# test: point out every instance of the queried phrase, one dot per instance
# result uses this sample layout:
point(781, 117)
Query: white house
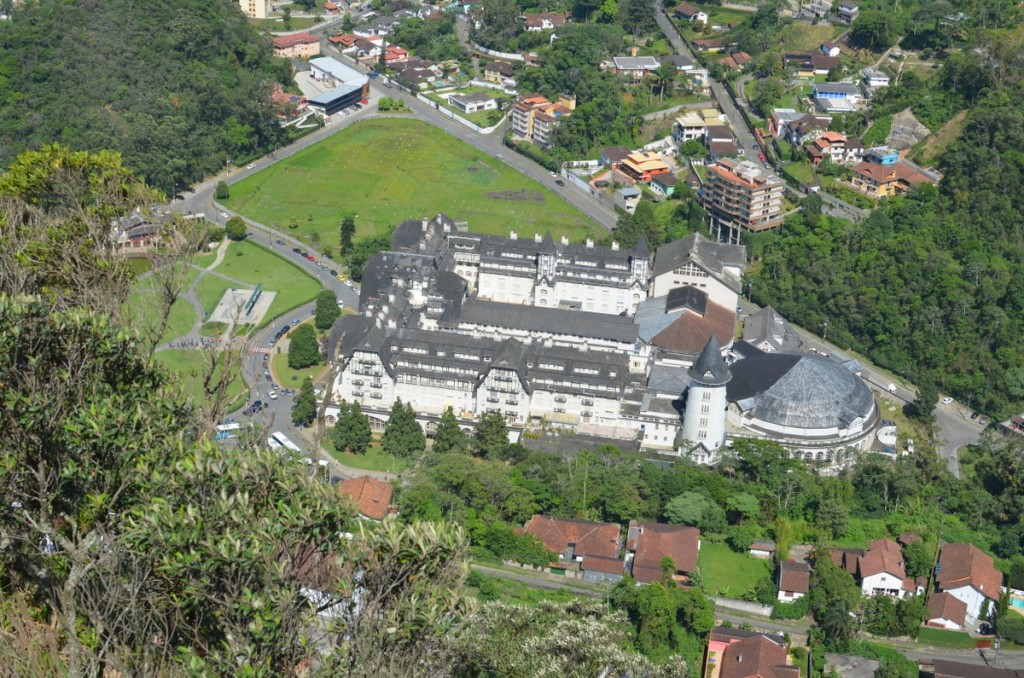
point(473, 103)
point(875, 78)
point(970, 576)
point(881, 572)
point(712, 267)
point(762, 548)
point(794, 581)
point(628, 198)
point(946, 612)
point(830, 49)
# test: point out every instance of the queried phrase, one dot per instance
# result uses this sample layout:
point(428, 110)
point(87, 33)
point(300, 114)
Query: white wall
point(876, 583)
point(972, 597)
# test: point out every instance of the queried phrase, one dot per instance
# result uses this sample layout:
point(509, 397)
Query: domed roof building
point(812, 405)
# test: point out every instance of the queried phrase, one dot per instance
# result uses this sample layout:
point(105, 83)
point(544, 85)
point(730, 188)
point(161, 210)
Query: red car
point(311, 258)
point(762, 158)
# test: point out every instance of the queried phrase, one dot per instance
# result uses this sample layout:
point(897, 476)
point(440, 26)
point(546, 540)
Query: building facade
point(256, 9)
point(739, 196)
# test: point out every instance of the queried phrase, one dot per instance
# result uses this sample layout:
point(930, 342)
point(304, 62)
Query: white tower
point(704, 418)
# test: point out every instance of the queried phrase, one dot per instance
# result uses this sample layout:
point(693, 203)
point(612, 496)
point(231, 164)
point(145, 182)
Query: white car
point(273, 395)
point(250, 166)
point(551, 173)
point(348, 283)
point(224, 215)
point(947, 400)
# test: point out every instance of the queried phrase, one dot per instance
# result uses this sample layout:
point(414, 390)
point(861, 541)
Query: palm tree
point(665, 77)
point(837, 624)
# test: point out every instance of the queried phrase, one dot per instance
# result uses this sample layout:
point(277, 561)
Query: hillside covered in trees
point(178, 87)
point(931, 285)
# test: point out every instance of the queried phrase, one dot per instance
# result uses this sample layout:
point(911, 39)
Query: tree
point(222, 192)
point(449, 436)
point(873, 29)
point(491, 434)
point(694, 508)
point(303, 350)
point(765, 93)
point(345, 235)
point(352, 431)
point(641, 224)
point(917, 559)
point(403, 435)
point(305, 404)
point(236, 229)
point(327, 310)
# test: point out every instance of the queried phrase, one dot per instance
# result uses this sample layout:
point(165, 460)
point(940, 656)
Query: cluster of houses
point(967, 584)
point(635, 69)
point(596, 551)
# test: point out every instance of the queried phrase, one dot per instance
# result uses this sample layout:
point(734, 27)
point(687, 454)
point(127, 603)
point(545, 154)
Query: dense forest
point(179, 88)
point(931, 285)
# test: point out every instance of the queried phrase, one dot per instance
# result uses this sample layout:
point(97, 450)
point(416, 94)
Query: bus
point(278, 440)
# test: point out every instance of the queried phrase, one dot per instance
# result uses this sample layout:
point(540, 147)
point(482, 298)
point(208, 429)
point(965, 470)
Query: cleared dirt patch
point(523, 195)
point(935, 145)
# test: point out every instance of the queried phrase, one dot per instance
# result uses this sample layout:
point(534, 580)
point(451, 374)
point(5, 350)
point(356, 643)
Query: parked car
point(310, 257)
point(760, 156)
point(983, 421)
point(559, 182)
point(279, 242)
point(334, 274)
point(975, 415)
point(273, 395)
point(268, 377)
point(296, 250)
point(250, 166)
point(947, 400)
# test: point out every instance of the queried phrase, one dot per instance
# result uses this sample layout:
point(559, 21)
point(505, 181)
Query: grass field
point(803, 37)
point(145, 307)
point(728, 573)
point(373, 460)
point(944, 638)
point(252, 264)
point(387, 171)
point(188, 366)
point(289, 378)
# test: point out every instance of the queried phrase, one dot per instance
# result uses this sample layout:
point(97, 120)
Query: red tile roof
point(653, 541)
point(371, 496)
point(282, 41)
point(589, 538)
point(759, 657)
point(686, 9)
point(794, 576)
point(599, 564)
point(965, 565)
point(948, 607)
point(691, 330)
point(884, 555)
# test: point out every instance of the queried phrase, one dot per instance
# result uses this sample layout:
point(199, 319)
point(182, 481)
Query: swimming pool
point(1017, 603)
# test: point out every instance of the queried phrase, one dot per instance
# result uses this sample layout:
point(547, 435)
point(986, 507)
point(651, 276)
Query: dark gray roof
point(686, 296)
point(713, 256)
point(671, 379)
point(799, 391)
point(548, 320)
point(710, 369)
point(769, 331)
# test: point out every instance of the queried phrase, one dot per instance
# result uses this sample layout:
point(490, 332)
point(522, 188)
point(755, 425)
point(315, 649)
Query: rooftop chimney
point(536, 237)
point(565, 240)
point(632, 51)
point(512, 235)
point(590, 242)
point(425, 223)
point(615, 245)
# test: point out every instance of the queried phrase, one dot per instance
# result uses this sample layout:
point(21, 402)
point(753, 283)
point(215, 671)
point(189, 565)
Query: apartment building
point(256, 9)
point(297, 46)
point(740, 195)
point(534, 118)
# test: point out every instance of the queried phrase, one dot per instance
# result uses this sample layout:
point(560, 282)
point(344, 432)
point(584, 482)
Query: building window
point(704, 422)
point(706, 396)
point(705, 409)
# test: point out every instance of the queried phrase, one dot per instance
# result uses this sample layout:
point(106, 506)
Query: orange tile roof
point(965, 565)
point(590, 538)
point(759, 657)
point(653, 541)
point(691, 331)
point(598, 564)
point(282, 41)
point(794, 576)
point(371, 496)
point(884, 555)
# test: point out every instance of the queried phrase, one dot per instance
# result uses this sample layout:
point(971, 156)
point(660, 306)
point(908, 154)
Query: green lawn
point(728, 573)
point(481, 119)
point(387, 171)
point(944, 638)
point(188, 367)
point(210, 289)
point(253, 264)
point(145, 309)
point(803, 171)
point(373, 460)
point(289, 378)
point(139, 265)
point(204, 260)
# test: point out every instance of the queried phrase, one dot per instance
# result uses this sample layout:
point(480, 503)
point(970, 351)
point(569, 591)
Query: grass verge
point(944, 638)
point(290, 378)
point(728, 573)
point(373, 460)
point(189, 366)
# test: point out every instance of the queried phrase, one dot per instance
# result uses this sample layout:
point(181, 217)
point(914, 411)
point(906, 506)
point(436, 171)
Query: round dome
point(799, 391)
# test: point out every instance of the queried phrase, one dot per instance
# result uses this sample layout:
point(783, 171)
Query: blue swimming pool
point(1017, 603)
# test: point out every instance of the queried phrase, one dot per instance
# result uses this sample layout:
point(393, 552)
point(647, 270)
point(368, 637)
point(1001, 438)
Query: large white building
point(563, 335)
point(256, 9)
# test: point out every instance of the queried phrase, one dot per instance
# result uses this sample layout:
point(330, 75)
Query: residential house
point(806, 128)
point(794, 580)
point(664, 184)
point(634, 68)
point(880, 571)
point(762, 548)
point(370, 496)
point(296, 46)
point(818, 8)
point(256, 9)
point(830, 49)
point(473, 103)
point(345, 42)
point(875, 78)
point(498, 71)
point(385, 25)
point(545, 21)
point(947, 612)
point(395, 56)
point(681, 62)
point(808, 64)
point(944, 668)
point(848, 11)
point(781, 117)
point(641, 166)
point(1014, 426)
point(709, 45)
point(735, 653)
point(534, 118)
point(369, 48)
point(332, 8)
point(721, 142)
point(648, 544)
point(836, 97)
point(969, 575)
point(883, 173)
point(628, 198)
point(416, 77)
point(583, 545)
point(836, 147)
point(735, 61)
point(613, 156)
point(688, 126)
point(687, 12)
point(289, 106)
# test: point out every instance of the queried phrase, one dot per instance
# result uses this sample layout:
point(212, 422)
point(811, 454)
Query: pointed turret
point(547, 245)
point(641, 249)
point(710, 369)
